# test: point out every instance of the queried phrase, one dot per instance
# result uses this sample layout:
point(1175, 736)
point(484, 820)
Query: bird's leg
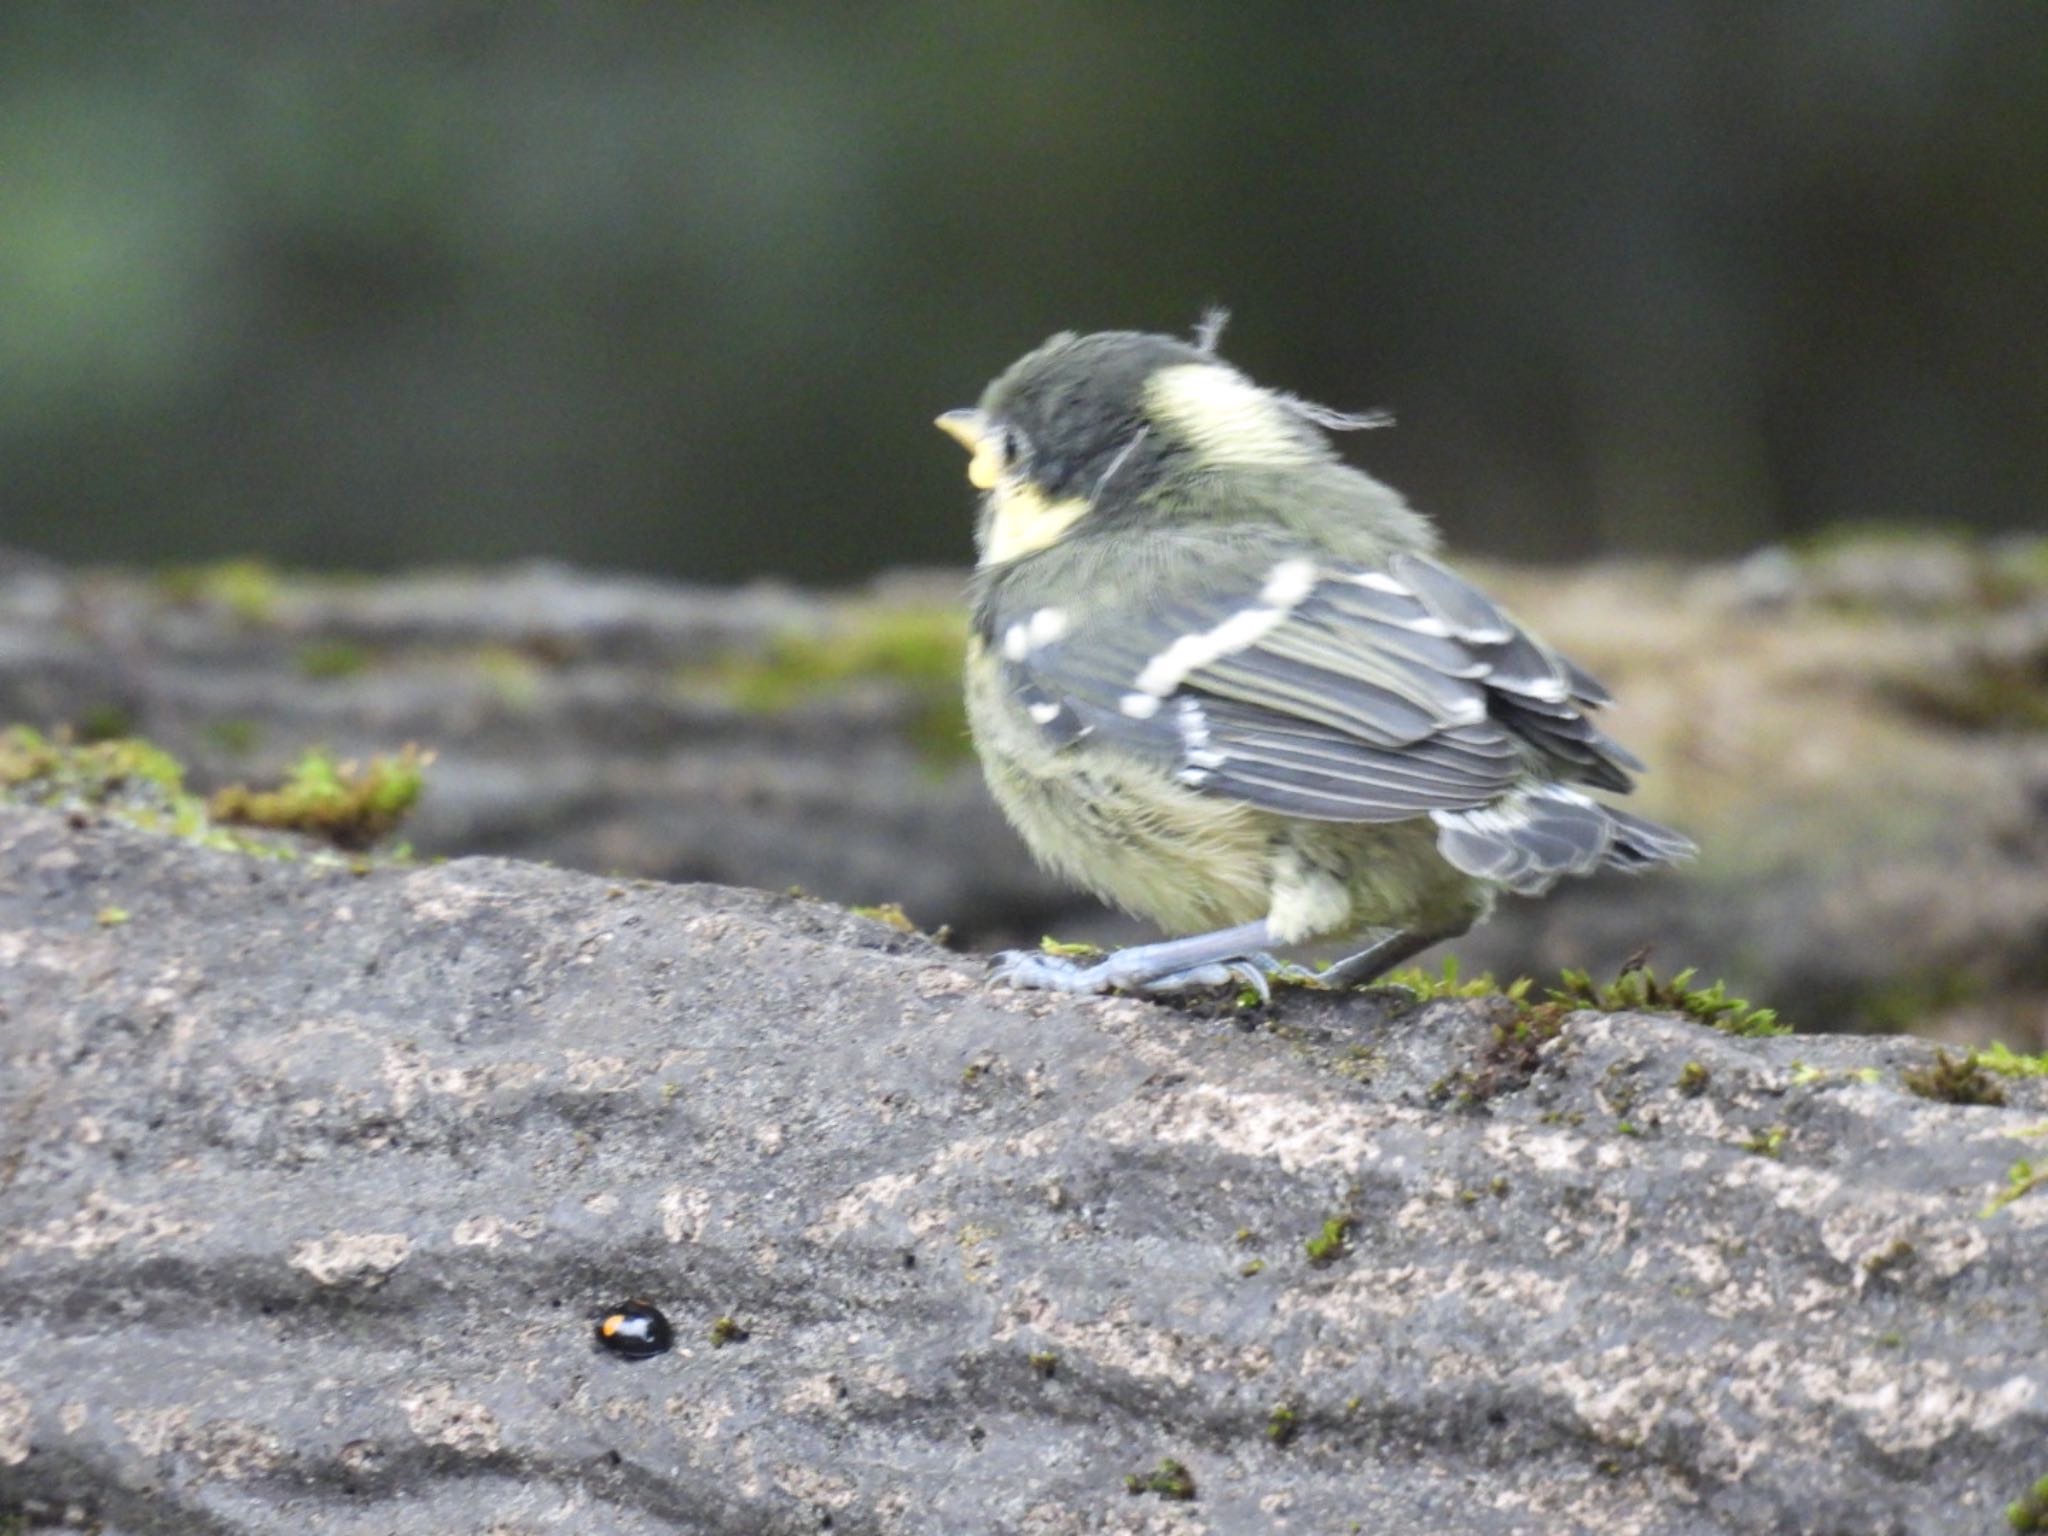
point(1376, 960)
point(1172, 965)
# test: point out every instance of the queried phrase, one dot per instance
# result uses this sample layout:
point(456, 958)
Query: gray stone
point(1846, 775)
point(311, 1184)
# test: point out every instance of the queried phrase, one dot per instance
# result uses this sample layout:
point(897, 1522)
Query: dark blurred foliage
point(681, 286)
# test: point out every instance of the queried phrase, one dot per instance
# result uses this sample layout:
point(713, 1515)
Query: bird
point(1220, 678)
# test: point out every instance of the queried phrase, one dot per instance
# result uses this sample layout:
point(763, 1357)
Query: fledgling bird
point(1217, 676)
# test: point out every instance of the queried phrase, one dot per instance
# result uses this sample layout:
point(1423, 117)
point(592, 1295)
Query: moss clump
point(248, 589)
point(921, 649)
point(1954, 1081)
point(138, 782)
point(1997, 1057)
point(1332, 1243)
point(1638, 989)
point(326, 660)
point(349, 806)
point(1511, 1058)
point(111, 917)
point(2022, 1178)
point(1448, 983)
point(889, 913)
point(58, 771)
point(2029, 1512)
point(1170, 1480)
point(1283, 1423)
point(1076, 950)
point(1044, 1362)
point(1692, 1079)
point(129, 779)
point(1770, 1143)
point(726, 1330)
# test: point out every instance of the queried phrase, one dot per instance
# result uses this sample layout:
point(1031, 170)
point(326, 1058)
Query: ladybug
point(635, 1330)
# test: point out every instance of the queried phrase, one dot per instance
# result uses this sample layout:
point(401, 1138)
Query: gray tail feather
point(1640, 844)
point(1529, 840)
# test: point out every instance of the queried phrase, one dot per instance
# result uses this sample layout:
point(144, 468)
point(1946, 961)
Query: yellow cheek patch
point(1019, 521)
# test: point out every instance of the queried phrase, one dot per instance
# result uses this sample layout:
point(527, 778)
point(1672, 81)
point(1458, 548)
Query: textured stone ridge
point(311, 1183)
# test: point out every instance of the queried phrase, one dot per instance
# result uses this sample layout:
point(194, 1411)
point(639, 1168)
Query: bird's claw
point(1032, 970)
point(1029, 970)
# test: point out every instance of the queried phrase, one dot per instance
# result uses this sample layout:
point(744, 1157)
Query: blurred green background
point(679, 287)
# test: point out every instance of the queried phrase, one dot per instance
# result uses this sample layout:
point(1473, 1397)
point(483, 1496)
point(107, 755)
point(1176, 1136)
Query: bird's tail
point(1528, 840)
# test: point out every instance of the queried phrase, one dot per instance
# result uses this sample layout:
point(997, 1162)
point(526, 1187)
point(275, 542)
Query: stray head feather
point(1209, 331)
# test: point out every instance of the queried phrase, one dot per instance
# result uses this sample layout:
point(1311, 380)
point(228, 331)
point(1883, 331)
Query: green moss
point(349, 806)
point(1638, 990)
point(111, 917)
point(1170, 1480)
point(1044, 1362)
point(1996, 1057)
point(246, 588)
point(1251, 1267)
point(1448, 983)
point(1332, 1243)
point(1770, 1143)
point(1954, 1081)
point(1513, 1054)
point(93, 773)
point(1283, 1423)
point(2022, 1178)
point(2029, 1512)
point(129, 779)
point(1066, 951)
point(1692, 1079)
point(922, 649)
point(889, 913)
point(325, 660)
point(726, 1331)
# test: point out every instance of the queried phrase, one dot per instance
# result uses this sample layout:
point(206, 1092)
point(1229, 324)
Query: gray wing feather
point(1372, 697)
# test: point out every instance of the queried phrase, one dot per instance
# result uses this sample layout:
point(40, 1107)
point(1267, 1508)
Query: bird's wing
point(1316, 689)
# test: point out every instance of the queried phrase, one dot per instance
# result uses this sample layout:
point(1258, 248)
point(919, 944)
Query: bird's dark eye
point(1012, 444)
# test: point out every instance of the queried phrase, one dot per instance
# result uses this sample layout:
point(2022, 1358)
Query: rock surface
point(312, 1183)
point(1856, 741)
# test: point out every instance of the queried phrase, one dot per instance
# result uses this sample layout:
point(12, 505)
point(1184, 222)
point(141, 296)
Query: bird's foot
point(1134, 971)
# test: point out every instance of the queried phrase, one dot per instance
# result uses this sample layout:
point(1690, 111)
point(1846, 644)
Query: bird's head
point(1082, 433)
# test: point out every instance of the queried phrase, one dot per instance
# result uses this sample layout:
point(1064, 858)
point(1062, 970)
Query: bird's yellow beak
point(970, 430)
